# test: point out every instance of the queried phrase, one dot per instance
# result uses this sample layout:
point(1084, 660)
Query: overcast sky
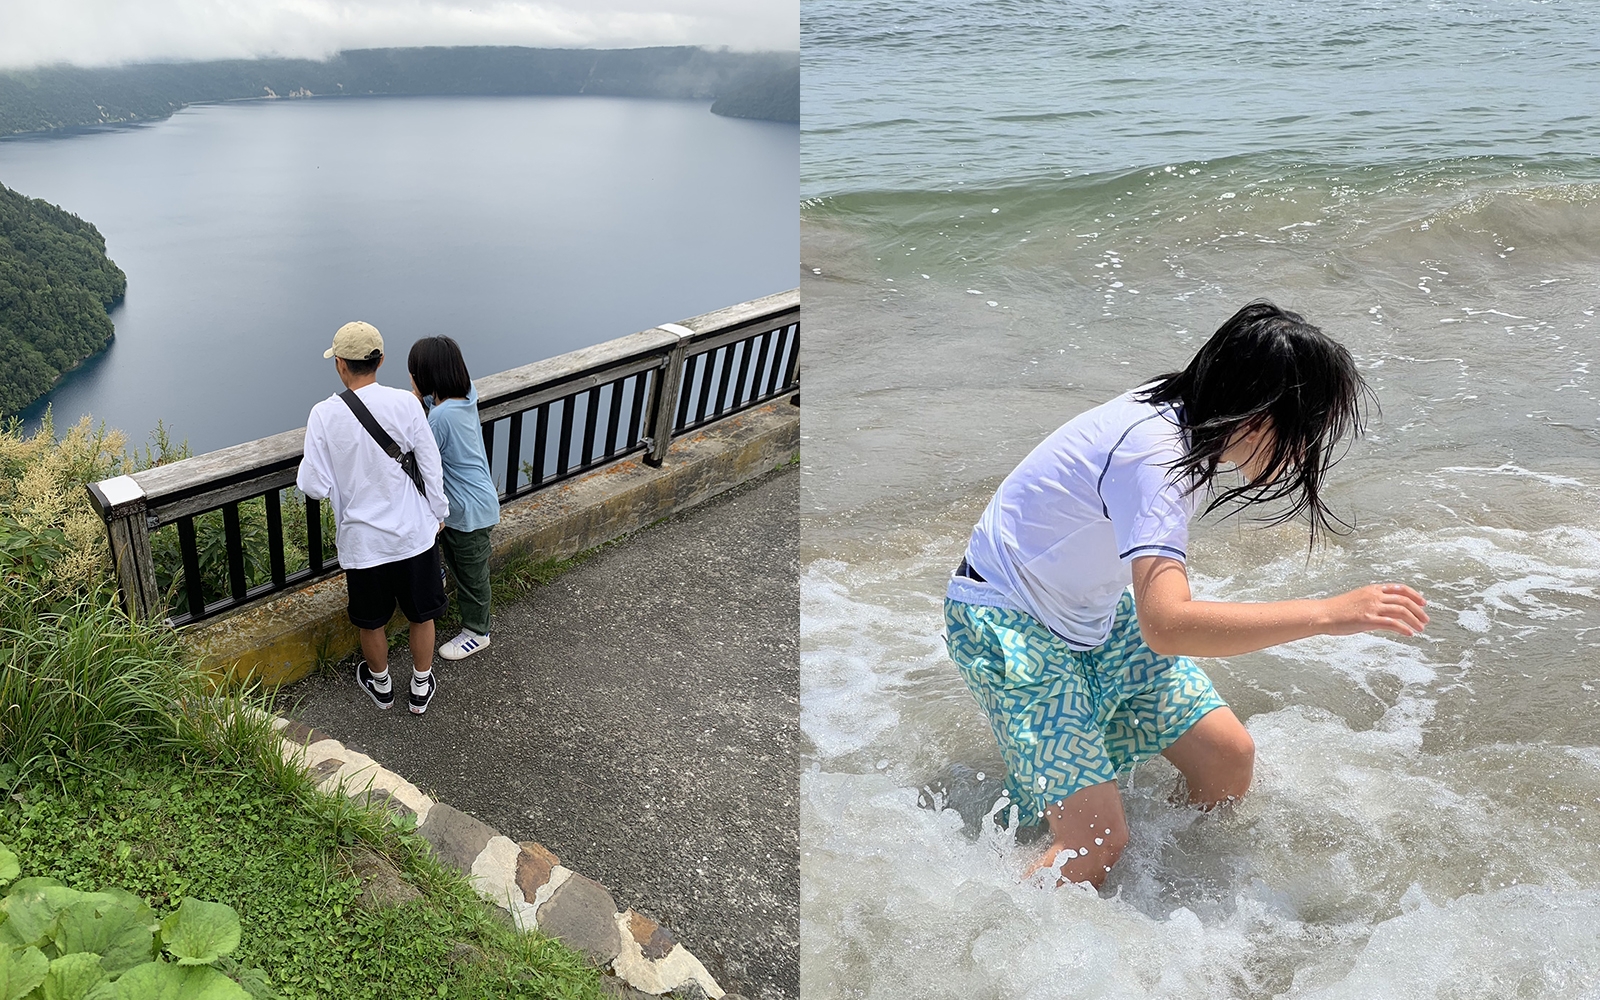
point(104, 32)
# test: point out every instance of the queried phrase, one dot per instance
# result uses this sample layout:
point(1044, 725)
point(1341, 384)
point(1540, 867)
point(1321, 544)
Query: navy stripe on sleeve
point(1106, 468)
point(1155, 548)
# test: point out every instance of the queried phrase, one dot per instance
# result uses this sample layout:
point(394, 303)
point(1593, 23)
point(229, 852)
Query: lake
point(524, 227)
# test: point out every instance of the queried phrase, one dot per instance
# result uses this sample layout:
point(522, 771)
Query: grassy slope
point(165, 830)
point(119, 766)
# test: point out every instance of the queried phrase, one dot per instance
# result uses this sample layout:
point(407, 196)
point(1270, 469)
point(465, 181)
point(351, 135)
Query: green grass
point(280, 856)
point(122, 766)
point(79, 674)
point(521, 574)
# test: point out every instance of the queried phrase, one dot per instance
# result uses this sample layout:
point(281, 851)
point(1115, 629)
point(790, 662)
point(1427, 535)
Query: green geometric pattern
point(1067, 719)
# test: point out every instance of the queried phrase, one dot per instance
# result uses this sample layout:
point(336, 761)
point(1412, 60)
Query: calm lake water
point(524, 227)
point(1017, 210)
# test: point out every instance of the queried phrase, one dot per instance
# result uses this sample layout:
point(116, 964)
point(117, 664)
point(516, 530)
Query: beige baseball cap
point(356, 341)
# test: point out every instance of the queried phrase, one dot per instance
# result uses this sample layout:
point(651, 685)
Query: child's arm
point(426, 446)
point(315, 478)
point(1175, 624)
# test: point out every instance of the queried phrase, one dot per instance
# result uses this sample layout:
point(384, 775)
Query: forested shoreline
point(56, 285)
point(56, 97)
point(774, 97)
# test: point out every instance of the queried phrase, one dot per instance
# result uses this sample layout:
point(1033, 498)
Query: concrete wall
point(284, 638)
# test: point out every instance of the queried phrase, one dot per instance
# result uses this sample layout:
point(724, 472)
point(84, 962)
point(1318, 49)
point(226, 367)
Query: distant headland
point(56, 285)
point(763, 85)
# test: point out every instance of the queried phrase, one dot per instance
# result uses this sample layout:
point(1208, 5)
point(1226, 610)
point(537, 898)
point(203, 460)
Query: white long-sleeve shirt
point(380, 515)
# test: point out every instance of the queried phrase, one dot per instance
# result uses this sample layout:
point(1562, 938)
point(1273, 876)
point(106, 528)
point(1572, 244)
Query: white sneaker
point(463, 645)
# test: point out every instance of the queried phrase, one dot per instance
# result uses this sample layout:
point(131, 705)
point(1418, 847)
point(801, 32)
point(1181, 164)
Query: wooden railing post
point(121, 503)
point(664, 405)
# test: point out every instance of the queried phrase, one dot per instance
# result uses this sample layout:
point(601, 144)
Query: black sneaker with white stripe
point(419, 700)
point(368, 683)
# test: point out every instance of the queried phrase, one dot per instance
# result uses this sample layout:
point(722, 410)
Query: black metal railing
point(212, 533)
point(568, 436)
point(735, 370)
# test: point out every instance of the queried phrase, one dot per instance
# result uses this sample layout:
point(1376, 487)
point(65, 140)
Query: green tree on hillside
point(774, 97)
point(56, 285)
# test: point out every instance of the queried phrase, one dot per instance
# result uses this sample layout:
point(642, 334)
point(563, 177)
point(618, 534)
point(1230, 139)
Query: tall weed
point(50, 534)
point(77, 674)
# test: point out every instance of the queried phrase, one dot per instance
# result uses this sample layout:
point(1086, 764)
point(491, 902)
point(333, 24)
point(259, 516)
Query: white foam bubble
point(842, 707)
point(1520, 941)
point(1360, 864)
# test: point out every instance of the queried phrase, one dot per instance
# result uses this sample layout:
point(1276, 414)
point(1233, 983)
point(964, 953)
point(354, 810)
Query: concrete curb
point(525, 880)
point(284, 638)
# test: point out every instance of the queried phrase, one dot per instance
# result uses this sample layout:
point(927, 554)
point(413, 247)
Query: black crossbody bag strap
point(407, 460)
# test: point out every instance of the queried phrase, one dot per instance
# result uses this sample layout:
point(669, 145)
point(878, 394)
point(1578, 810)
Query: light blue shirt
point(474, 503)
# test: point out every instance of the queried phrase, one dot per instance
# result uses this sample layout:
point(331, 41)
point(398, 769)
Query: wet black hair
point(1268, 366)
point(439, 369)
point(364, 366)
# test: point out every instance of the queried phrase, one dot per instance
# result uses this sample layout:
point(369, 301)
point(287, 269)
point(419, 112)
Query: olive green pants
point(466, 555)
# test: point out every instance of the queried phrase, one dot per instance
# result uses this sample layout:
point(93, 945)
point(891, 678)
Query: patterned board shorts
point(1067, 719)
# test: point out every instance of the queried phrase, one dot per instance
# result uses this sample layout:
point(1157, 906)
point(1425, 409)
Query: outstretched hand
point(1173, 623)
point(1391, 607)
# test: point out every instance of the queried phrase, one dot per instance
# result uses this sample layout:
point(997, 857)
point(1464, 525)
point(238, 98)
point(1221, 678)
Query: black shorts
point(415, 583)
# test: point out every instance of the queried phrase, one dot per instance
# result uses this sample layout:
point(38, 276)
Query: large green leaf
point(31, 909)
point(116, 934)
point(126, 900)
point(197, 932)
point(9, 869)
point(21, 969)
point(161, 981)
point(72, 977)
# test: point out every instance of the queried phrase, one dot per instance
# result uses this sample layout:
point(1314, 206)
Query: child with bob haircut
point(1081, 674)
point(439, 379)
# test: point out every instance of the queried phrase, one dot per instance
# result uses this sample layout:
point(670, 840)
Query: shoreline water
point(988, 253)
point(1399, 783)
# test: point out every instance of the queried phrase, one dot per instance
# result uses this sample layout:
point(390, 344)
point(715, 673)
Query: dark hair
point(1268, 366)
point(438, 368)
point(365, 366)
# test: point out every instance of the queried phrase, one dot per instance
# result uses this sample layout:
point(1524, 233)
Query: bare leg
point(1217, 758)
point(421, 646)
point(1088, 824)
point(375, 647)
